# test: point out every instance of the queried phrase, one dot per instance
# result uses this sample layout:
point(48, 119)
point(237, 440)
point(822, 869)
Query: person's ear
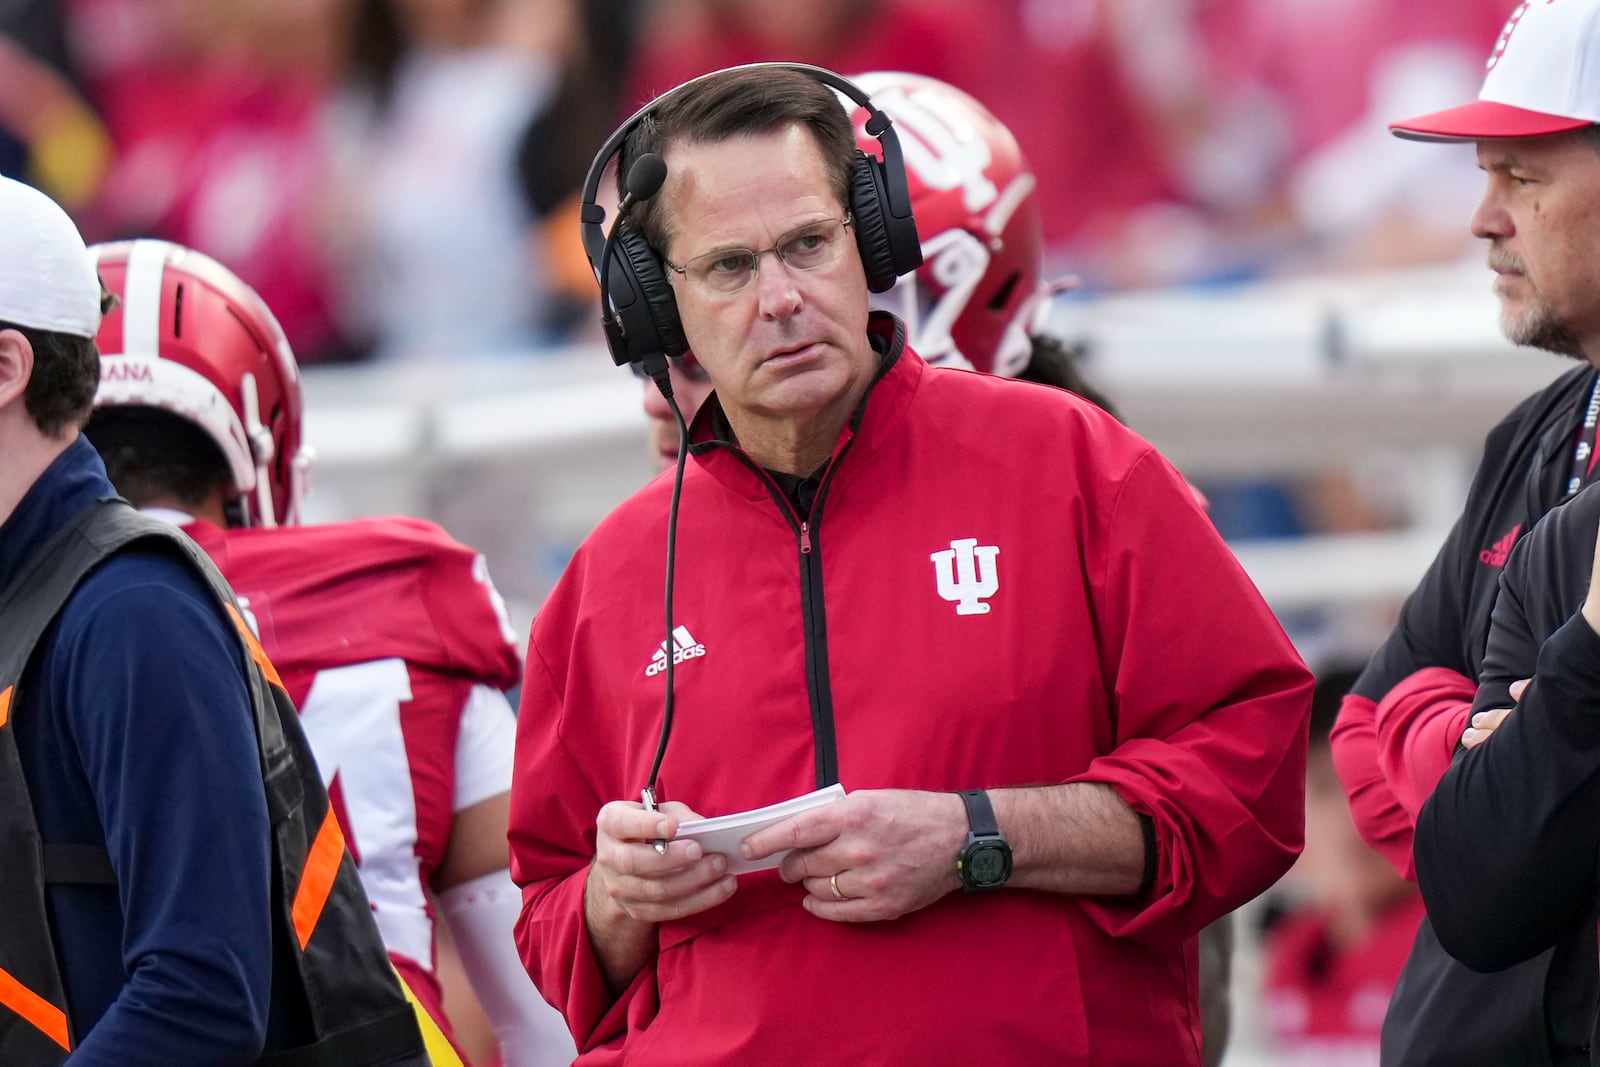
point(16, 366)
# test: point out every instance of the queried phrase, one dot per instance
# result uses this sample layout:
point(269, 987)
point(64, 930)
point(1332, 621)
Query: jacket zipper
point(814, 618)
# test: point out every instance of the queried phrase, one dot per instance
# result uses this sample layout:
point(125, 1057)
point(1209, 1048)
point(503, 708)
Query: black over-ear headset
point(638, 308)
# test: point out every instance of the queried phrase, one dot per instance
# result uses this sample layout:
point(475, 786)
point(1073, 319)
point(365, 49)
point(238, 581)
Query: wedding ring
point(833, 884)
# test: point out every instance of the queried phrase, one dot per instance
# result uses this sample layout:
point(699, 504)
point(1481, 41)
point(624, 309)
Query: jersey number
point(351, 716)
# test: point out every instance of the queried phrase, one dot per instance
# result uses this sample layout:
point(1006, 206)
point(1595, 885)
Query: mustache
point(1502, 260)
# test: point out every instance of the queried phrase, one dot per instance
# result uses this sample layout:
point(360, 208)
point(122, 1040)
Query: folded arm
point(1398, 726)
point(1517, 809)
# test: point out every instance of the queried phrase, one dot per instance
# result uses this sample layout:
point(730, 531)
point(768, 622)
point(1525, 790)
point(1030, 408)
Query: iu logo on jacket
point(967, 575)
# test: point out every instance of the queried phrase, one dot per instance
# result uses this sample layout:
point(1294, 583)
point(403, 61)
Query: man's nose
point(776, 287)
point(1490, 219)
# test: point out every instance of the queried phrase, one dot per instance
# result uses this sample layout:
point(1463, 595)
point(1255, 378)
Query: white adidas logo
point(684, 647)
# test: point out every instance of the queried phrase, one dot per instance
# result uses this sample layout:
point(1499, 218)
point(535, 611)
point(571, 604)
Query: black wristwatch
point(985, 862)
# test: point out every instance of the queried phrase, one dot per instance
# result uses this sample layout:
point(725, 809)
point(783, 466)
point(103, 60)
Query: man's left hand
point(876, 854)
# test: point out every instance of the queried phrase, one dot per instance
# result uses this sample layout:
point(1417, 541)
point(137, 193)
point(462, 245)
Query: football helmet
point(979, 296)
point(189, 337)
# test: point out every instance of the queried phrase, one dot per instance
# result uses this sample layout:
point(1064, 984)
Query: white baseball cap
point(47, 277)
point(1544, 78)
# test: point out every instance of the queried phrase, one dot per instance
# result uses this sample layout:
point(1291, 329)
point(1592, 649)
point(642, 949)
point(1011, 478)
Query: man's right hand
point(631, 886)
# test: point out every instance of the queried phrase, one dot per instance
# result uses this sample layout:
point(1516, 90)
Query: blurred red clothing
point(1054, 75)
point(1321, 64)
point(1324, 1005)
point(891, 35)
point(1061, 93)
point(217, 147)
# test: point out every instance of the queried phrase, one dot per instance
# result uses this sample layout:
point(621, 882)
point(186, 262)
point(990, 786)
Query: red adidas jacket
point(1111, 637)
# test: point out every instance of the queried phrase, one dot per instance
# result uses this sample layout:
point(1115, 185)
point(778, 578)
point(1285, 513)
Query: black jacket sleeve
point(1506, 846)
point(1437, 624)
point(1432, 622)
point(1444, 620)
point(1544, 585)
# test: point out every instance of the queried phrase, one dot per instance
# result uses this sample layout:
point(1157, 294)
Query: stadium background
point(1280, 296)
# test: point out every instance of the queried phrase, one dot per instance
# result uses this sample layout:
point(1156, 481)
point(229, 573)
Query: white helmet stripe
point(999, 216)
point(141, 294)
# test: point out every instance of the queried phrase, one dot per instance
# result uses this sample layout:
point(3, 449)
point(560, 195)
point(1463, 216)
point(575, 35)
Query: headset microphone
point(644, 180)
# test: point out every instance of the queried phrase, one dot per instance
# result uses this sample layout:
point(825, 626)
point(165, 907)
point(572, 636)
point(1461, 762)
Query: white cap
point(47, 277)
point(1544, 78)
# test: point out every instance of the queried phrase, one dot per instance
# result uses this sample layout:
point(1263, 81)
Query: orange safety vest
point(359, 1015)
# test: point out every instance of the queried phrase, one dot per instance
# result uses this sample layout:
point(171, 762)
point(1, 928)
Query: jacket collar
point(900, 372)
point(73, 481)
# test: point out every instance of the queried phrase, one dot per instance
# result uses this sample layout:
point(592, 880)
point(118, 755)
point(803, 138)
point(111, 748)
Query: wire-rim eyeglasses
point(731, 270)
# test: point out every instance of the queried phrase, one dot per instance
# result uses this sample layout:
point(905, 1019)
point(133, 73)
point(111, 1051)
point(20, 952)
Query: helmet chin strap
point(260, 450)
point(299, 484)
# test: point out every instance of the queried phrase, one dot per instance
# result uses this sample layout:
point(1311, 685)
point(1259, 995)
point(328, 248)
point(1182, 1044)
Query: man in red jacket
point(980, 300)
point(1065, 752)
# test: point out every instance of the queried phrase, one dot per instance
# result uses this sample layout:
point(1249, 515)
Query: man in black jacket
point(1530, 850)
point(1534, 128)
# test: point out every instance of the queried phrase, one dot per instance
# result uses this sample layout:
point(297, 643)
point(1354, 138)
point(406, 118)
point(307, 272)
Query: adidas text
point(684, 647)
point(659, 664)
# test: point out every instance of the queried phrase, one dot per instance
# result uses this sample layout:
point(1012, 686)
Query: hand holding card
point(724, 832)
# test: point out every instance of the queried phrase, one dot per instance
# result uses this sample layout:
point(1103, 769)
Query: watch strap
point(1152, 856)
point(980, 813)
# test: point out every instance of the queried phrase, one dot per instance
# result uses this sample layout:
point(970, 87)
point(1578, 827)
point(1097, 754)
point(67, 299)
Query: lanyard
point(1583, 456)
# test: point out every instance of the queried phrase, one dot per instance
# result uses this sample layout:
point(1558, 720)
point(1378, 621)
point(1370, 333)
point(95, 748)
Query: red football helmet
point(191, 338)
point(978, 297)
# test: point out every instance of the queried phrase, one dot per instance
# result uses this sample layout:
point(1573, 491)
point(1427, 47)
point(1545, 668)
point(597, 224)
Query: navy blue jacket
point(135, 731)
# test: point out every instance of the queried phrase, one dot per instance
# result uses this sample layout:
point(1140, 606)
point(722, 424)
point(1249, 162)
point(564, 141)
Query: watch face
point(988, 865)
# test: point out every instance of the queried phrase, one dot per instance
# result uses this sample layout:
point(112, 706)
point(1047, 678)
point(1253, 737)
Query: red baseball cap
point(1544, 78)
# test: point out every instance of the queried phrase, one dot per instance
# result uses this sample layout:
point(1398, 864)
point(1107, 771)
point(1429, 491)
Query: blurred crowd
point(398, 178)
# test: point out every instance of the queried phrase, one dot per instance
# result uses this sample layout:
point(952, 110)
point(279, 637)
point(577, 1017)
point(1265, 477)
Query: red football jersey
point(397, 650)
